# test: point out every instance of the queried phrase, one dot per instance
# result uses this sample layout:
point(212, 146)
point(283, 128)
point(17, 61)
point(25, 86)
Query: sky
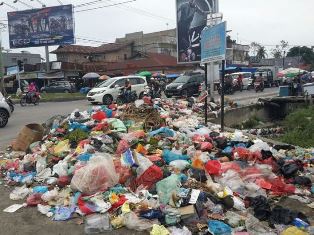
point(264, 21)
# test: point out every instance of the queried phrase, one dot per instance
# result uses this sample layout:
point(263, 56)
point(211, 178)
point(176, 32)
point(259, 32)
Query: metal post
point(206, 98)
point(212, 76)
point(1, 69)
point(222, 114)
point(47, 59)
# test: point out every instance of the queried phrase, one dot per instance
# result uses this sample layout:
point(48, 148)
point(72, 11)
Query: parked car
point(246, 79)
point(109, 90)
point(59, 87)
point(5, 111)
point(185, 85)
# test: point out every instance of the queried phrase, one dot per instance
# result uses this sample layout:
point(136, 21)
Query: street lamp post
point(283, 59)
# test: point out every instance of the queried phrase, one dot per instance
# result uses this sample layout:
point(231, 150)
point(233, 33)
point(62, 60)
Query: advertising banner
point(41, 27)
point(213, 43)
point(191, 20)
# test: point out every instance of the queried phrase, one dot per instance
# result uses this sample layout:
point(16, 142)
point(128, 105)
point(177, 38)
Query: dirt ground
point(28, 221)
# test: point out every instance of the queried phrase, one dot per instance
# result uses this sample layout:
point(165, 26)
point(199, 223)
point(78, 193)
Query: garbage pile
point(179, 177)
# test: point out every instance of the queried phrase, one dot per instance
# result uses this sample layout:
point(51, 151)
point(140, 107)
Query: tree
point(306, 53)
point(254, 48)
point(280, 50)
point(261, 52)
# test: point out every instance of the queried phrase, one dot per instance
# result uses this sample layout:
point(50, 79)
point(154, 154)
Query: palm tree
point(261, 52)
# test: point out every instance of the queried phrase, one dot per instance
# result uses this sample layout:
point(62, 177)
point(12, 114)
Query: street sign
point(12, 70)
point(213, 43)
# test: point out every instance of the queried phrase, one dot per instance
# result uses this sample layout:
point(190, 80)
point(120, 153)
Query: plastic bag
point(61, 168)
point(294, 231)
point(217, 227)
point(20, 193)
point(179, 231)
point(99, 116)
point(45, 210)
point(40, 189)
point(206, 146)
point(118, 125)
point(179, 164)
point(213, 167)
point(254, 226)
point(50, 195)
point(159, 230)
point(98, 175)
point(63, 213)
point(163, 130)
point(97, 223)
point(34, 199)
point(151, 176)
point(123, 146)
point(170, 156)
point(40, 164)
point(133, 222)
point(62, 147)
point(167, 187)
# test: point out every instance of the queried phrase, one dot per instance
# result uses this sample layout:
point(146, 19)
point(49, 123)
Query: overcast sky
point(264, 21)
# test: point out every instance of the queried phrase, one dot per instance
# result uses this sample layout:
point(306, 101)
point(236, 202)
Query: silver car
point(5, 111)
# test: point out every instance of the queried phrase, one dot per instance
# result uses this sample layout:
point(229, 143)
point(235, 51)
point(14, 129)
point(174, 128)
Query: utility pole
point(2, 89)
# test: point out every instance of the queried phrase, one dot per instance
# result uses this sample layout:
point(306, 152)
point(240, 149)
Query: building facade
point(10, 59)
point(163, 42)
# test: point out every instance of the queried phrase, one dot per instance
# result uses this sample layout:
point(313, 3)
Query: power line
point(143, 12)
point(111, 5)
point(90, 3)
point(59, 1)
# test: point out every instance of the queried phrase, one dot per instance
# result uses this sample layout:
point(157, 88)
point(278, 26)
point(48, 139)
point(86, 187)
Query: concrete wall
point(265, 113)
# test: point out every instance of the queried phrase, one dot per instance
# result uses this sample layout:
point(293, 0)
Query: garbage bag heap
point(180, 177)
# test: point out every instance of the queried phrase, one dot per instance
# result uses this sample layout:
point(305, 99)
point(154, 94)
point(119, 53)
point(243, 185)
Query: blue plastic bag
point(84, 157)
point(151, 214)
point(169, 156)
point(163, 130)
point(217, 227)
point(75, 125)
point(40, 189)
point(63, 213)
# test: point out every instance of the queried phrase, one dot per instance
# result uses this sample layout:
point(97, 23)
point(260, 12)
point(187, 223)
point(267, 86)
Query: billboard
point(213, 43)
point(191, 20)
point(41, 27)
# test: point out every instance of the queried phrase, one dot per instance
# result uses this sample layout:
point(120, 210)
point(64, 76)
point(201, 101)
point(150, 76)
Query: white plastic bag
point(61, 168)
point(98, 175)
point(50, 195)
point(20, 193)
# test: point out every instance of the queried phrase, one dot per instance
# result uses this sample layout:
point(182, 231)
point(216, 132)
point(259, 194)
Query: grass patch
point(299, 128)
point(248, 124)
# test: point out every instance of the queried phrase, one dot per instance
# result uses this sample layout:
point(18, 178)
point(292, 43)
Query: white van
point(108, 91)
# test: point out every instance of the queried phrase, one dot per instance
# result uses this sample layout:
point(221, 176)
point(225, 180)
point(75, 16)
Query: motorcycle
point(10, 103)
point(236, 86)
point(28, 98)
point(152, 93)
point(124, 98)
point(258, 86)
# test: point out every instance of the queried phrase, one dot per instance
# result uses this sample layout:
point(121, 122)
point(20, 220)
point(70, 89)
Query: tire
point(107, 100)
point(94, 103)
point(66, 91)
point(4, 117)
point(35, 100)
point(23, 101)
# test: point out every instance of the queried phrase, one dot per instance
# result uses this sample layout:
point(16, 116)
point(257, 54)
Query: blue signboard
point(12, 70)
point(213, 43)
point(41, 27)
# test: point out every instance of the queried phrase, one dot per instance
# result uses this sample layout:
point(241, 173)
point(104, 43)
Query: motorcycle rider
point(31, 90)
point(155, 87)
point(228, 82)
point(240, 81)
point(127, 88)
point(260, 80)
